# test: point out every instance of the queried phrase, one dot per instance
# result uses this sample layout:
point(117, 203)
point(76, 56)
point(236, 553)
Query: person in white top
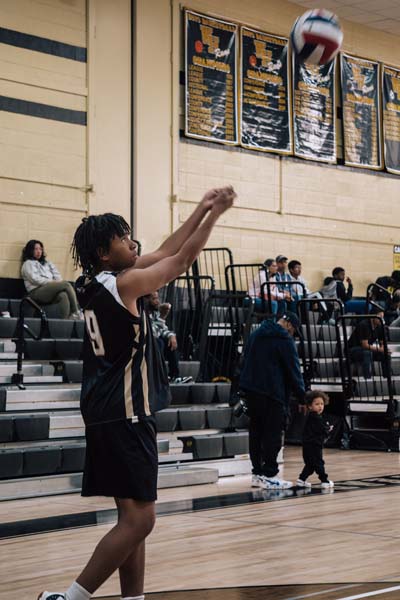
point(44, 283)
point(276, 295)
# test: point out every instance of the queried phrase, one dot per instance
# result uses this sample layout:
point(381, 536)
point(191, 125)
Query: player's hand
point(348, 280)
point(224, 199)
point(172, 342)
point(208, 199)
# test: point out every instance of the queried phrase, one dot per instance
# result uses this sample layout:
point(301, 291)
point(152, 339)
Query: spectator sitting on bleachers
point(44, 283)
point(166, 339)
point(276, 296)
point(297, 291)
point(366, 344)
point(390, 283)
point(392, 313)
point(339, 275)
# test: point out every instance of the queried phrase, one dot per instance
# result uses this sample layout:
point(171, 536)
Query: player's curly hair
point(93, 234)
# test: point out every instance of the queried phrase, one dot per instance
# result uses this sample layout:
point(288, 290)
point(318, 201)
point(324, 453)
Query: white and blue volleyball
point(316, 37)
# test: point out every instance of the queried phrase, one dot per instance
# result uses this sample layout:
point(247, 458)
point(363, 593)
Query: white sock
point(132, 598)
point(77, 592)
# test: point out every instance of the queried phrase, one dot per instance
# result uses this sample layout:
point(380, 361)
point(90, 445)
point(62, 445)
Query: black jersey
point(123, 374)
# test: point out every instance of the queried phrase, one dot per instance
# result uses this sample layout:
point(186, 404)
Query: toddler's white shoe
point(52, 596)
point(303, 484)
point(327, 484)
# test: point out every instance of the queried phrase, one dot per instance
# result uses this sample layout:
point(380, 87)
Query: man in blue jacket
point(270, 372)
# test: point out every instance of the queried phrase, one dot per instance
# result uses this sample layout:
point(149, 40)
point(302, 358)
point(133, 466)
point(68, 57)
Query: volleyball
point(316, 37)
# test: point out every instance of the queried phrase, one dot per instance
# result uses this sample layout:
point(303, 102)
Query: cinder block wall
point(324, 216)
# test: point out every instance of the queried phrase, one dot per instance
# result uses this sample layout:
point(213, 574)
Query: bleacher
point(42, 445)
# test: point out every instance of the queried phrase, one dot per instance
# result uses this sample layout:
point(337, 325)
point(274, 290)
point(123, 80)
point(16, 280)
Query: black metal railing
point(187, 296)
point(280, 296)
point(245, 278)
point(212, 262)
point(321, 351)
point(22, 328)
point(225, 326)
point(375, 295)
point(369, 368)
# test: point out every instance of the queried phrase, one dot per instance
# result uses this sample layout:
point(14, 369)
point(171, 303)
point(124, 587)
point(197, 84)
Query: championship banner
point(265, 96)
point(391, 118)
point(314, 112)
point(211, 79)
point(361, 112)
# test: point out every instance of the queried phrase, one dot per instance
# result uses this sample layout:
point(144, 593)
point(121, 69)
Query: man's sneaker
point(303, 484)
point(256, 481)
point(275, 483)
point(52, 596)
point(327, 484)
point(182, 379)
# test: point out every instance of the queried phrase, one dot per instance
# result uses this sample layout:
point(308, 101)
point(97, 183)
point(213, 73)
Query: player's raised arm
point(134, 283)
point(175, 241)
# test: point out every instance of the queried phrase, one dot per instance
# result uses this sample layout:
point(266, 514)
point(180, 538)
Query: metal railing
point(22, 328)
point(270, 296)
point(375, 294)
point(187, 296)
point(212, 262)
point(243, 277)
point(368, 369)
point(321, 350)
point(225, 326)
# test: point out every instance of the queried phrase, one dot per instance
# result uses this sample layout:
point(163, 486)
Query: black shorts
point(121, 460)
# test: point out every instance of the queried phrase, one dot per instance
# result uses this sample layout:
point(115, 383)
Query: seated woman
point(277, 297)
point(44, 283)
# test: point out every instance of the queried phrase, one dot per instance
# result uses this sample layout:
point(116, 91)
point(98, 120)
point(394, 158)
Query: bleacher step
point(6, 379)
point(32, 487)
point(40, 398)
point(27, 369)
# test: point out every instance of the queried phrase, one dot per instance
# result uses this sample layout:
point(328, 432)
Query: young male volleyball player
point(124, 381)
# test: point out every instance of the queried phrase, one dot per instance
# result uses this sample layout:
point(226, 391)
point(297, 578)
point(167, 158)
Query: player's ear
point(104, 255)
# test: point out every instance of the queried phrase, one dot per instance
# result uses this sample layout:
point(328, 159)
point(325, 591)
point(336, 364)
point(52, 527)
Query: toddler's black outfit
point(315, 432)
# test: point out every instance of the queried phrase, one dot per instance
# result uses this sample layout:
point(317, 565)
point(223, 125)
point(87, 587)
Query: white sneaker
point(302, 484)
point(274, 483)
point(327, 484)
point(256, 481)
point(52, 596)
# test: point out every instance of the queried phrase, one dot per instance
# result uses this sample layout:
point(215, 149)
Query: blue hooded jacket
point(271, 365)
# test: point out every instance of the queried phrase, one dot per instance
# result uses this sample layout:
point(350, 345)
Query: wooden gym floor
point(342, 545)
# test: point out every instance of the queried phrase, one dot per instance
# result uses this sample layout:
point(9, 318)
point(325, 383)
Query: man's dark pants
point(267, 422)
point(313, 461)
point(171, 356)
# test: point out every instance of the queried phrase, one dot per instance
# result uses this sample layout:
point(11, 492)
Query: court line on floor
point(369, 594)
point(207, 503)
point(329, 591)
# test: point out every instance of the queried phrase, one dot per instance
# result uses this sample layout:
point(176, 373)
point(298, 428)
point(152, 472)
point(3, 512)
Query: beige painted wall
point(322, 215)
point(42, 162)
point(47, 166)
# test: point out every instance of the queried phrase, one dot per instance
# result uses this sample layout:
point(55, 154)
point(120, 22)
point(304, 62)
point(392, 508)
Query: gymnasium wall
point(65, 105)
point(322, 215)
point(54, 171)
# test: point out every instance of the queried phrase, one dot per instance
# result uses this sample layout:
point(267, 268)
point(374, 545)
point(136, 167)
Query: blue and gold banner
point(265, 92)
point(211, 78)
point(314, 111)
point(361, 112)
